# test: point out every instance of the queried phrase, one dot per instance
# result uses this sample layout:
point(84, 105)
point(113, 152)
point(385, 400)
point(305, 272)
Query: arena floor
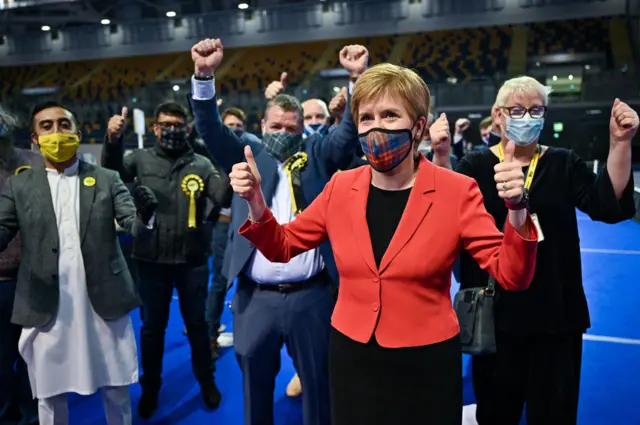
point(610, 392)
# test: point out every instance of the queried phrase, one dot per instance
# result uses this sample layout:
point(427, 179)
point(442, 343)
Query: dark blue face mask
point(238, 132)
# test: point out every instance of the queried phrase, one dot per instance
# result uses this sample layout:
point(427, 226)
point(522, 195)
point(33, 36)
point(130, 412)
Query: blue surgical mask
point(311, 129)
point(238, 132)
point(524, 131)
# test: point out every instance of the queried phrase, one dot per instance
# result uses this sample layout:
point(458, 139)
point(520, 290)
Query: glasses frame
point(510, 109)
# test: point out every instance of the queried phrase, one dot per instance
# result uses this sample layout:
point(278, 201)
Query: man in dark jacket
point(17, 405)
point(182, 181)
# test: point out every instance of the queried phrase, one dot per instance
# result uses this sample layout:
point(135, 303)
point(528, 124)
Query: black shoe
point(211, 395)
point(148, 405)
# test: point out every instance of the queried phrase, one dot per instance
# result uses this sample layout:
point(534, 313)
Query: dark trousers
point(17, 405)
point(541, 371)
point(156, 290)
point(263, 321)
point(218, 291)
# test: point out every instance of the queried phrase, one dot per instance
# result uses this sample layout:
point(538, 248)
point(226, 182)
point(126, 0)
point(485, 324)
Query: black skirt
point(373, 385)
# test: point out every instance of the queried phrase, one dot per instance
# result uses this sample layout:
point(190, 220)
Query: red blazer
point(406, 302)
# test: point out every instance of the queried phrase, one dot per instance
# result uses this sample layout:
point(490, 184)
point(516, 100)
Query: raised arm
point(8, 215)
point(509, 258)
point(278, 243)
point(113, 152)
point(609, 196)
point(223, 144)
point(340, 145)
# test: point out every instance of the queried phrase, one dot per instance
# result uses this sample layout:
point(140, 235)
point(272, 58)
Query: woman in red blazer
point(396, 227)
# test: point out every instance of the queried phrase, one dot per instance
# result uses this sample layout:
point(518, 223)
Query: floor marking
point(612, 339)
point(610, 251)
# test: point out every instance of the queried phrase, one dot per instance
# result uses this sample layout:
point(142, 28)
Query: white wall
point(306, 22)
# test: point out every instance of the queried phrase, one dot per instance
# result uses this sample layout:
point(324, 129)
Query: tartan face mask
point(386, 149)
point(282, 145)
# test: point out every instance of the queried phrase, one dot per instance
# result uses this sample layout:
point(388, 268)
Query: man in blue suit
point(279, 303)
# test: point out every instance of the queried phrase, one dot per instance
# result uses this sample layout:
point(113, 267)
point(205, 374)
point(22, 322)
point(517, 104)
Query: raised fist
point(338, 103)
point(355, 59)
point(461, 125)
point(276, 87)
point(623, 124)
point(207, 56)
point(440, 136)
point(116, 126)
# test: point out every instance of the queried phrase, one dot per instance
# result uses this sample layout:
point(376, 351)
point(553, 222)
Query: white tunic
point(77, 351)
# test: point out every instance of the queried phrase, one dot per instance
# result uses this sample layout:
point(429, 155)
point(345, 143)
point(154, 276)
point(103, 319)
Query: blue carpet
point(611, 378)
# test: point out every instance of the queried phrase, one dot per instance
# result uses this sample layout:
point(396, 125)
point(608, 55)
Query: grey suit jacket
point(26, 206)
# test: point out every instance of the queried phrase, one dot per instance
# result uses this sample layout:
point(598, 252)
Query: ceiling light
point(587, 67)
point(45, 28)
point(555, 78)
point(243, 6)
point(105, 22)
point(176, 87)
point(570, 77)
point(171, 14)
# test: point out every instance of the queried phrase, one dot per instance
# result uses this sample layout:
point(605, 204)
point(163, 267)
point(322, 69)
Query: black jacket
point(174, 242)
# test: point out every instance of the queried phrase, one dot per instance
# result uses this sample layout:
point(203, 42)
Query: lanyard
point(532, 165)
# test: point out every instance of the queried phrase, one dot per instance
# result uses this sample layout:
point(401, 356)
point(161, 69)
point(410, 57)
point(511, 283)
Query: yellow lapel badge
point(192, 185)
point(89, 181)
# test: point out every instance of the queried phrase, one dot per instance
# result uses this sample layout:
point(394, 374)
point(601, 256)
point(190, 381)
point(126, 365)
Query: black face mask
point(173, 139)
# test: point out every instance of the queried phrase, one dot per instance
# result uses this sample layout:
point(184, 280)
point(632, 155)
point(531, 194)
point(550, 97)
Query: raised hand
point(461, 125)
point(245, 181)
point(276, 87)
point(116, 126)
point(355, 59)
point(338, 103)
point(623, 124)
point(509, 176)
point(207, 56)
point(440, 134)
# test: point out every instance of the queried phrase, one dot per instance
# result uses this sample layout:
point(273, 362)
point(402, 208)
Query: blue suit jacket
point(326, 155)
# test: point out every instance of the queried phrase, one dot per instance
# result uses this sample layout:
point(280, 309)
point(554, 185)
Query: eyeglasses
point(176, 125)
point(518, 112)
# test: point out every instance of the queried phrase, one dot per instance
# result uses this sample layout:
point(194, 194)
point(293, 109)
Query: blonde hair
point(525, 86)
point(396, 81)
point(393, 80)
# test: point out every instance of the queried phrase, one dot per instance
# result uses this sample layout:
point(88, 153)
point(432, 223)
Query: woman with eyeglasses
point(539, 331)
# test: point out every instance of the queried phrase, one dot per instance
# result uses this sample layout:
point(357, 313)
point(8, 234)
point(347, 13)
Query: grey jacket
point(26, 206)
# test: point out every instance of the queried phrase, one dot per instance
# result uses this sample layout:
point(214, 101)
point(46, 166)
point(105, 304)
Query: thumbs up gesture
point(116, 126)
point(207, 56)
point(276, 87)
point(245, 181)
point(509, 176)
point(440, 135)
point(623, 124)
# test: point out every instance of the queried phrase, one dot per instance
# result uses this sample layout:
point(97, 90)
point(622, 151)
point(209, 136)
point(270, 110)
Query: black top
point(384, 211)
point(555, 302)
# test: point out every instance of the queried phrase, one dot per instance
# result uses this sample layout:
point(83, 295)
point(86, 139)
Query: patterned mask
point(282, 145)
point(311, 129)
point(386, 149)
point(174, 138)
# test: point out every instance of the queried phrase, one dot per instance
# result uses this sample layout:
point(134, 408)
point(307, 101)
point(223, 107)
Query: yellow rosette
point(192, 184)
point(296, 162)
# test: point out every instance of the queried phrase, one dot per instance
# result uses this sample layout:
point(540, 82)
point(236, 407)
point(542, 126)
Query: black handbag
point(474, 308)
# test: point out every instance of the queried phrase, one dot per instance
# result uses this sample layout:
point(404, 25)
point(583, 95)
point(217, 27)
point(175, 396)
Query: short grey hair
point(522, 85)
point(285, 102)
point(321, 103)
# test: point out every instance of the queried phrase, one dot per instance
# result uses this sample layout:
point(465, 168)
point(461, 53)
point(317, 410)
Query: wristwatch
point(524, 202)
